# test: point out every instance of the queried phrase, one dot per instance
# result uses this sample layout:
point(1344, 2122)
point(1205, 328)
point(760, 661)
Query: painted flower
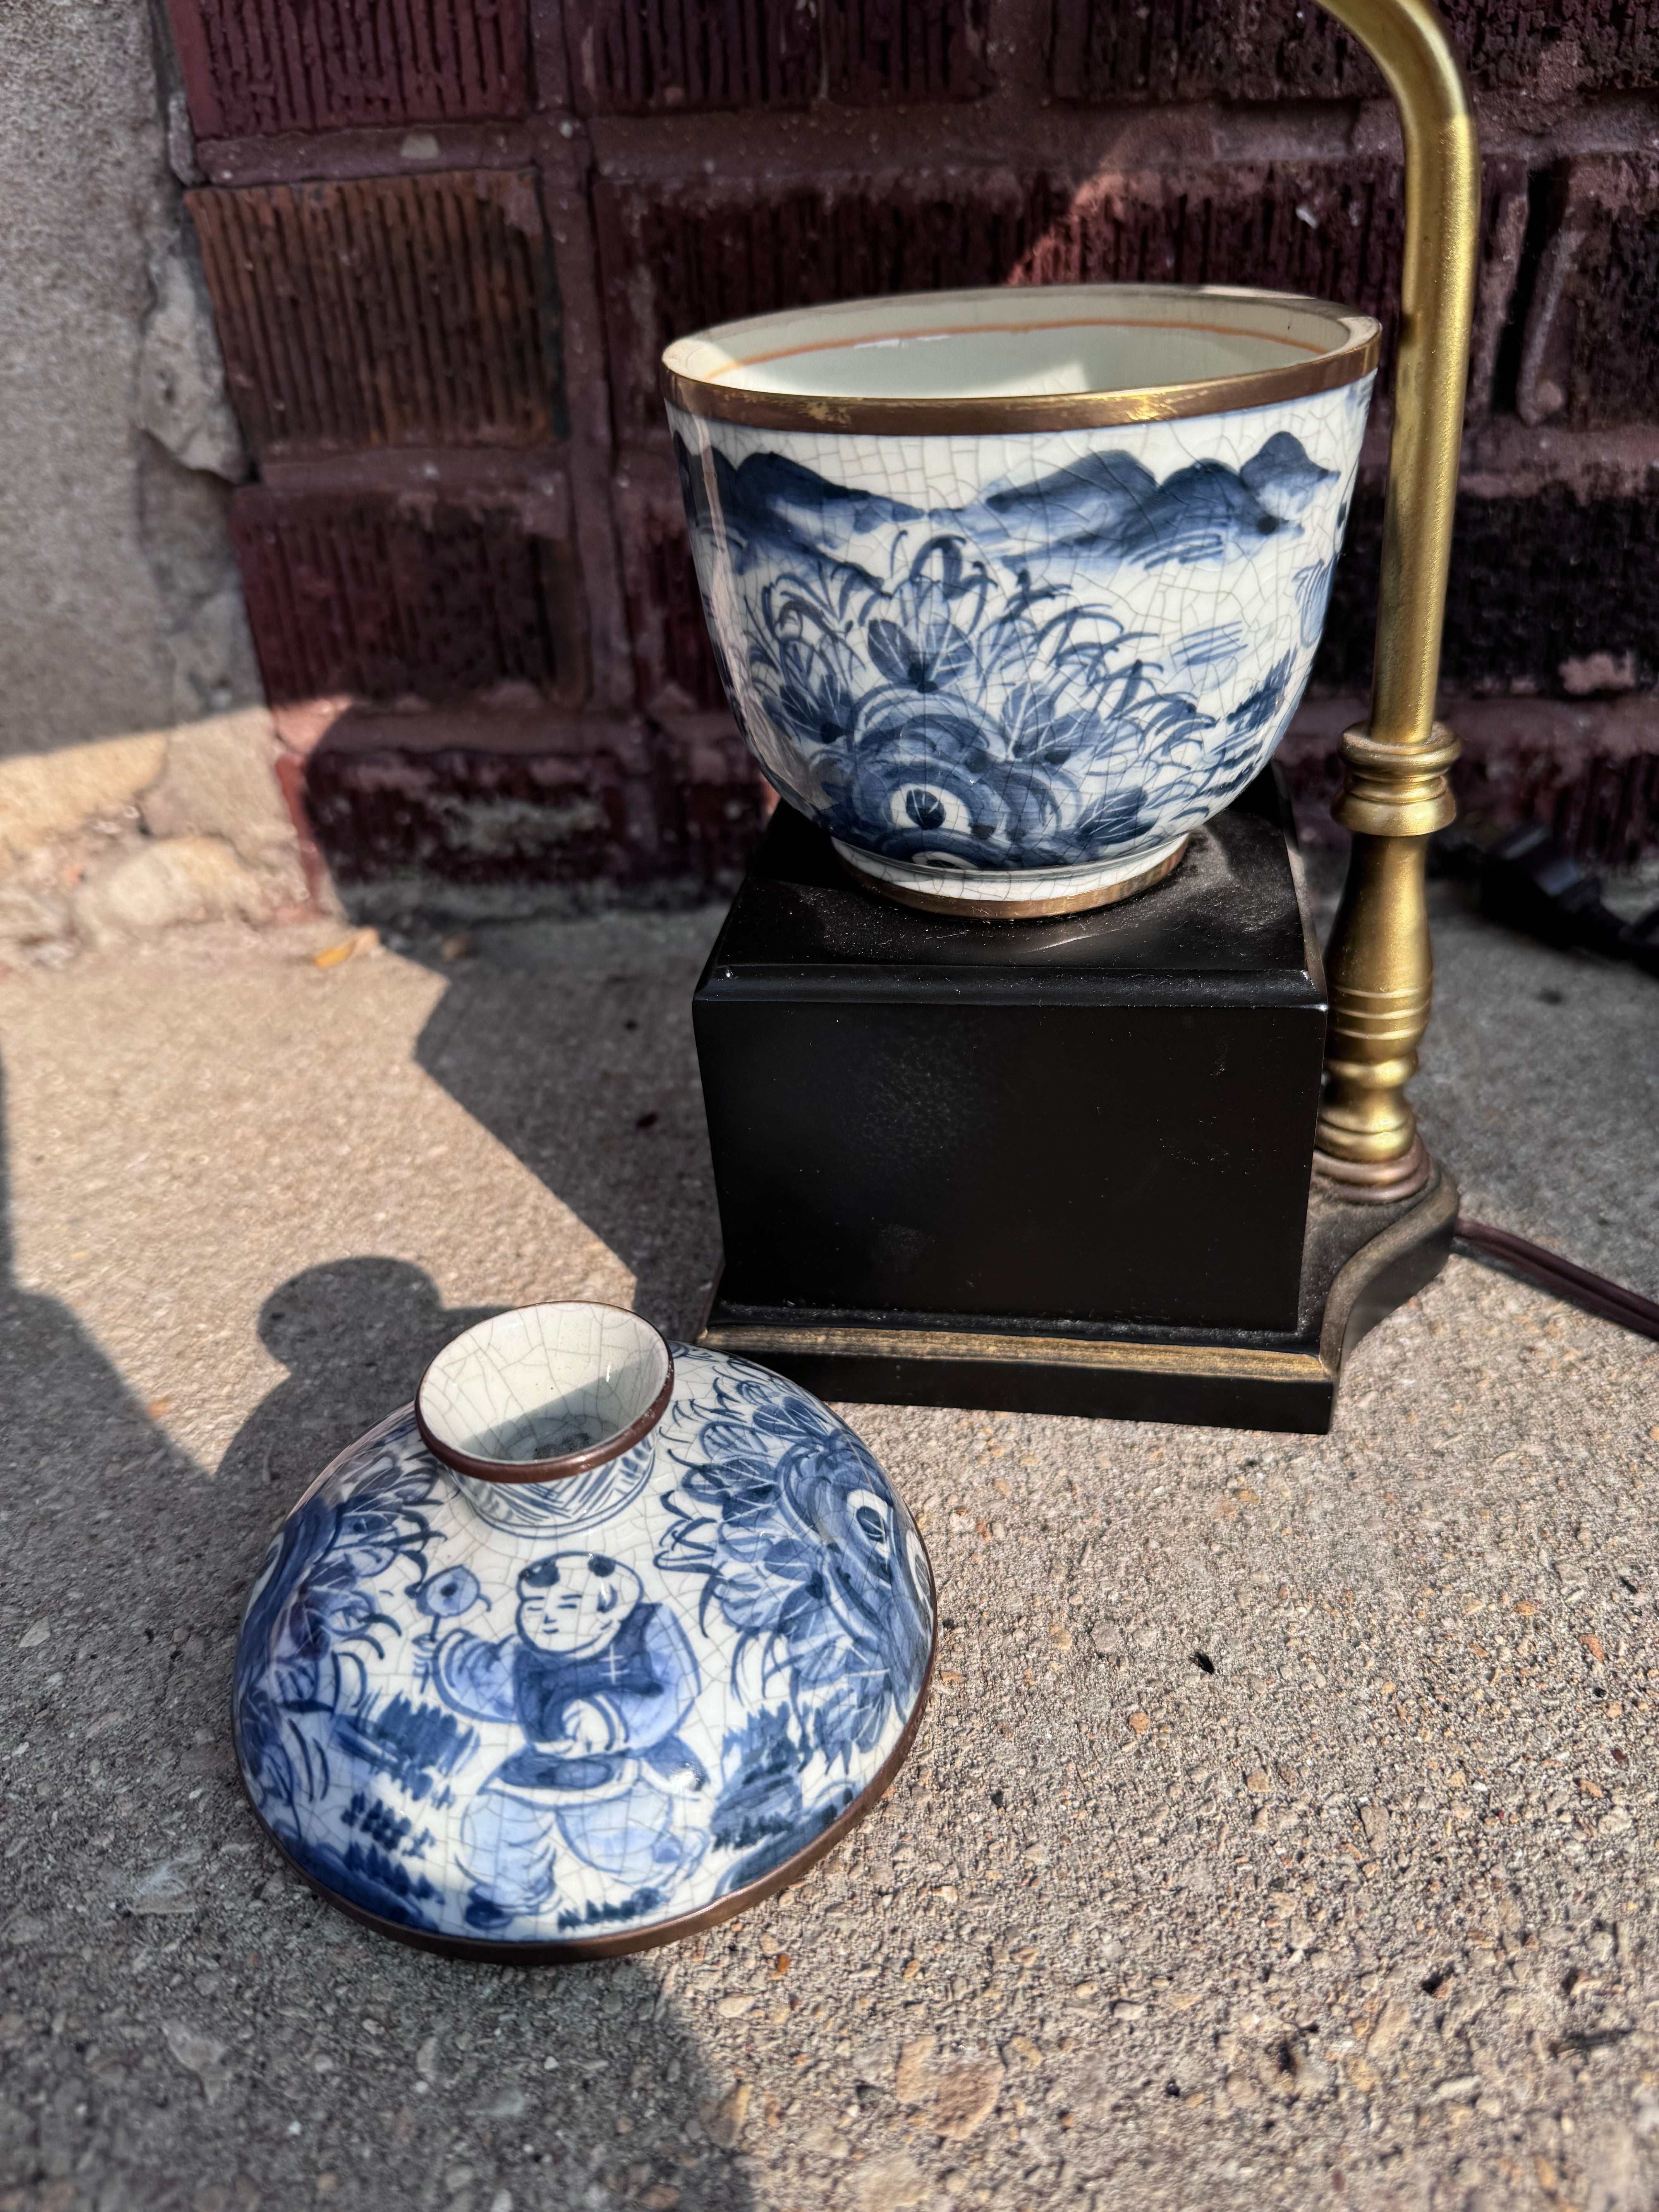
point(451, 1592)
point(804, 1553)
point(955, 718)
point(904, 792)
point(969, 685)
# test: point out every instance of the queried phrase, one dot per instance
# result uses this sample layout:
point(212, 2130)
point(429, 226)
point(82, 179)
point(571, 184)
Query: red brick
point(1204, 49)
point(629, 58)
point(495, 801)
point(290, 770)
point(689, 56)
point(1260, 50)
point(1590, 354)
point(485, 801)
point(675, 257)
point(1608, 811)
point(396, 597)
point(1618, 40)
point(1542, 585)
point(1588, 769)
point(1293, 226)
point(1591, 770)
point(678, 257)
point(905, 51)
point(721, 799)
point(388, 311)
point(252, 67)
point(672, 657)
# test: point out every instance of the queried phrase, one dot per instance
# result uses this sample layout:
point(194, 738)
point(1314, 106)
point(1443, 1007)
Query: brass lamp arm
point(1407, 42)
point(1395, 794)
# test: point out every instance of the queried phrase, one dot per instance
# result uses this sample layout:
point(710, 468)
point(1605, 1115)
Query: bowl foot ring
point(966, 907)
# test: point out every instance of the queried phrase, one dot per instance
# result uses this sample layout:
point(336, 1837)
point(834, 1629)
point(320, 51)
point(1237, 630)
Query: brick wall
point(446, 246)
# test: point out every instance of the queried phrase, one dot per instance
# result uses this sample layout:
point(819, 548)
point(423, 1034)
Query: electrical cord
point(1528, 882)
point(1502, 1248)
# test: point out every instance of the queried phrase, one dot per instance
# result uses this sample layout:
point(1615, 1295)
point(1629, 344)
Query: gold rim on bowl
point(691, 380)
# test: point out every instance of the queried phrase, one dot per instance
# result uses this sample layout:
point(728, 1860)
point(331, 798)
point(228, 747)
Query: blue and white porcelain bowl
point(598, 1641)
point(1011, 590)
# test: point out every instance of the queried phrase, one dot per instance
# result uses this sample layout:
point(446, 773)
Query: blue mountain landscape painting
point(1088, 664)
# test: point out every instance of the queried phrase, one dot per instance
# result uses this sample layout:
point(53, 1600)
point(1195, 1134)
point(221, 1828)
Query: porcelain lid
point(585, 1714)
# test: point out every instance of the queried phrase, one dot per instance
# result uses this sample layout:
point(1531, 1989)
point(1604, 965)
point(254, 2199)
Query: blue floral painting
point(556, 1711)
point(1085, 663)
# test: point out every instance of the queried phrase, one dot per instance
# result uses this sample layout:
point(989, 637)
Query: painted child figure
point(599, 1681)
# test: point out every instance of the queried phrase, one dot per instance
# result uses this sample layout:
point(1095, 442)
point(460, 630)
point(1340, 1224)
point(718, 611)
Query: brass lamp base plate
point(1361, 1260)
point(1376, 1182)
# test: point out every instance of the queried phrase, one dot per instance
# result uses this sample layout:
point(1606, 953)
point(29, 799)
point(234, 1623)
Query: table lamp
point(1028, 1086)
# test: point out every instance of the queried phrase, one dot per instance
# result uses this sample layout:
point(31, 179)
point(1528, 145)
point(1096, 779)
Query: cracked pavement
point(1283, 1828)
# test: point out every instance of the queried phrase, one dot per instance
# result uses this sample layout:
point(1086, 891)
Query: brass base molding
point(1376, 1182)
point(855, 1341)
point(1360, 1262)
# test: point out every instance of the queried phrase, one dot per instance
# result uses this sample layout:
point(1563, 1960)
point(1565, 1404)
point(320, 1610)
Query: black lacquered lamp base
point(1061, 1166)
point(1362, 1262)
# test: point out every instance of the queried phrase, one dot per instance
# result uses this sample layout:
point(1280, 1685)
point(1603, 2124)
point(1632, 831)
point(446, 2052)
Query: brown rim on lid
point(566, 1463)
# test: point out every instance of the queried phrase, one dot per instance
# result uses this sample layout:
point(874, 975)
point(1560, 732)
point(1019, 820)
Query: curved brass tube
point(1395, 794)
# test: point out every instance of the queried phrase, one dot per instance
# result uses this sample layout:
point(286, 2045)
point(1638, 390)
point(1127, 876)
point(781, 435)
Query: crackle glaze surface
point(1013, 653)
point(586, 1707)
point(542, 1383)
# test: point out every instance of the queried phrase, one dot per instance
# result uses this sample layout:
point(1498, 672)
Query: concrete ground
point(1283, 1830)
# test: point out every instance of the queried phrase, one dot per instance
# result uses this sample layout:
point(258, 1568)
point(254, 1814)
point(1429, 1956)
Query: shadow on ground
point(571, 1042)
point(74, 1440)
point(355, 1336)
point(183, 2026)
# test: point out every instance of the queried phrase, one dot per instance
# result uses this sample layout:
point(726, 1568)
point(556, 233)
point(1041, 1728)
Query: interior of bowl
point(542, 1385)
point(1024, 341)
